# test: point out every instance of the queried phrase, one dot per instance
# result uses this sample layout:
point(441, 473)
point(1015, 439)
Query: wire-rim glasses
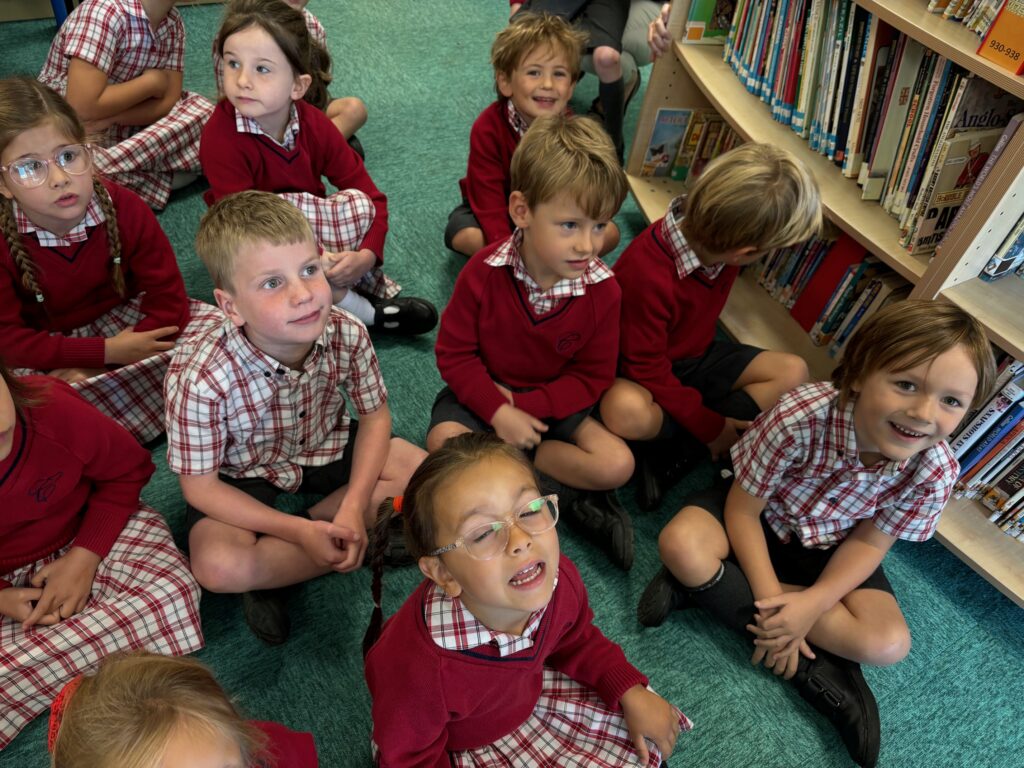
point(483, 542)
point(73, 159)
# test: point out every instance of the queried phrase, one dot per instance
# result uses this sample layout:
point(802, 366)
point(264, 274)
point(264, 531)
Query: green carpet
point(953, 702)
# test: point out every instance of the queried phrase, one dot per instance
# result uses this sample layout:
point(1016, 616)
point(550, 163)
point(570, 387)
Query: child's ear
point(518, 209)
point(504, 84)
point(745, 255)
point(5, 191)
point(300, 86)
point(227, 304)
point(437, 572)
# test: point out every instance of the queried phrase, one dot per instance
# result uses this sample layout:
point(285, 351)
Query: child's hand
point(790, 614)
point(159, 80)
point(345, 268)
point(517, 427)
point(506, 393)
point(658, 37)
point(648, 715)
point(129, 347)
point(74, 375)
point(731, 432)
point(322, 541)
point(355, 544)
point(776, 653)
point(17, 603)
point(66, 585)
point(513, 9)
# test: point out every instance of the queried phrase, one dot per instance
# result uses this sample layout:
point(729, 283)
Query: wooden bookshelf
point(944, 36)
point(840, 197)
point(965, 530)
point(653, 194)
point(1000, 308)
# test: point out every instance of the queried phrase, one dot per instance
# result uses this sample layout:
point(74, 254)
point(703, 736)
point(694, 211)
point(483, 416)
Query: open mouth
point(528, 576)
point(64, 201)
point(578, 263)
point(904, 432)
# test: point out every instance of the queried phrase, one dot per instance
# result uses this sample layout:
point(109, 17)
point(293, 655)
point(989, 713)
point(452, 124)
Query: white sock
point(358, 306)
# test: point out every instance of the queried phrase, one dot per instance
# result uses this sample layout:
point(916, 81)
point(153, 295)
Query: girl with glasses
point(494, 659)
point(90, 290)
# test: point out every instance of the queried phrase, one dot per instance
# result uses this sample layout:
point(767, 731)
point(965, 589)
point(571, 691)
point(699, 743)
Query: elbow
point(86, 106)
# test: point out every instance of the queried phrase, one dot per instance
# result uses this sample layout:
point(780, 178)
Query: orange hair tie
point(397, 503)
point(57, 711)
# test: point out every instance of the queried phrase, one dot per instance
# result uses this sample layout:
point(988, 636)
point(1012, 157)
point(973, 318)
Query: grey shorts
point(603, 21)
point(459, 219)
point(448, 408)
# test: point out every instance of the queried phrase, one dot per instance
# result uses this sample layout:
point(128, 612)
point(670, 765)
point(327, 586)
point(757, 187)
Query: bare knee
point(684, 547)
point(627, 413)
point(468, 241)
point(440, 434)
point(792, 372)
point(606, 58)
point(611, 239)
point(220, 568)
point(617, 465)
point(888, 645)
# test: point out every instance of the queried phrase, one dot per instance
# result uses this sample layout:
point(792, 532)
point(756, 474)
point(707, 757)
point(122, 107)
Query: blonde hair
point(243, 219)
point(528, 31)
point(909, 333)
point(756, 196)
point(287, 27)
point(125, 715)
point(25, 103)
point(572, 155)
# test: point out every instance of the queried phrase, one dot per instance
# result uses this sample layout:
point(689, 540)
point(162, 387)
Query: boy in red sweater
point(536, 61)
point(682, 392)
point(256, 407)
point(528, 342)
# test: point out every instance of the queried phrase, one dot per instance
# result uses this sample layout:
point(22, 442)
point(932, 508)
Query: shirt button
point(302, 414)
point(268, 374)
point(834, 500)
point(302, 441)
point(281, 371)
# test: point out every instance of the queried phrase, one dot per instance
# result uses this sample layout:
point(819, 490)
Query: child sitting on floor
point(826, 481)
point(494, 659)
point(528, 341)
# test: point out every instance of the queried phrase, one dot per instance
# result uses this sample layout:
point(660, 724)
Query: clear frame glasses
point(482, 542)
point(74, 159)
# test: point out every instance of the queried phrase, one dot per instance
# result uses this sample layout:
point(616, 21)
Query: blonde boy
point(254, 409)
point(528, 342)
point(680, 388)
point(536, 61)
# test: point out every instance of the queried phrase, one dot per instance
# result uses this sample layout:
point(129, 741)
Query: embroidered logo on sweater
point(43, 488)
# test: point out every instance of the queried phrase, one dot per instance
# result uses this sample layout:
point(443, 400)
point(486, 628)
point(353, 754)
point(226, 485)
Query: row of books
point(976, 15)
point(911, 126)
point(830, 286)
point(990, 449)
point(683, 141)
point(1008, 258)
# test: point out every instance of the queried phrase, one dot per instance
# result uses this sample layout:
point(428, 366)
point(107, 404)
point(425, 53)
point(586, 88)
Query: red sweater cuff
point(485, 404)
point(5, 584)
point(99, 531)
point(535, 402)
point(617, 681)
point(88, 352)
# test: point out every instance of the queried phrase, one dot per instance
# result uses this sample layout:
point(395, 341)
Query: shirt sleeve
point(765, 452)
point(95, 35)
point(915, 515)
point(486, 174)
point(590, 372)
point(364, 384)
point(196, 436)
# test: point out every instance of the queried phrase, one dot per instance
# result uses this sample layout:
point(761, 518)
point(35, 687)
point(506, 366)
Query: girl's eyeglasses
point(490, 539)
point(74, 159)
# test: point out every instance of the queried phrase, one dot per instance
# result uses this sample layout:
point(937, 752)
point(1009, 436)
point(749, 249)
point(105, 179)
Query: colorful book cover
point(668, 132)
point(1004, 42)
point(708, 21)
point(1009, 256)
point(688, 146)
point(824, 283)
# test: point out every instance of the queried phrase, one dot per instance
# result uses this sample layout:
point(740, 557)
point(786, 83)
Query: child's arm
point(94, 98)
point(369, 454)
point(151, 110)
point(487, 175)
point(226, 504)
point(747, 541)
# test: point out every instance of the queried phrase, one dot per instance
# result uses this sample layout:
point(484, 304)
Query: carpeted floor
point(423, 70)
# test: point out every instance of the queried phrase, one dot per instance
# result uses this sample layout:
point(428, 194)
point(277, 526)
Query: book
point(708, 21)
point(687, 147)
point(899, 166)
point(1004, 41)
point(880, 292)
point(888, 42)
point(1009, 256)
point(669, 129)
point(987, 416)
point(854, 282)
point(854, 59)
point(973, 479)
point(1007, 422)
point(1007, 487)
point(825, 281)
point(807, 86)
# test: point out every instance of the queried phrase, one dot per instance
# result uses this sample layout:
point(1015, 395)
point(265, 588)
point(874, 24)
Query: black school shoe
point(663, 595)
point(266, 613)
point(404, 316)
point(602, 519)
point(357, 146)
point(660, 464)
point(837, 689)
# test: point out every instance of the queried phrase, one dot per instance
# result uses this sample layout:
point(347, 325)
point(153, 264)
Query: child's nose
point(518, 540)
point(923, 408)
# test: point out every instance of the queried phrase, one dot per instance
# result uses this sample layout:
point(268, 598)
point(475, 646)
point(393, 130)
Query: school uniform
point(116, 37)
point(72, 479)
point(554, 350)
point(237, 155)
point(81, 307)
point(670, 306)
point(449, 691)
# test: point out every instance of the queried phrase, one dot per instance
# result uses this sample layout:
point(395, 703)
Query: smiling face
point(559, 238)
point(259, 81)
point(279, 297)
point(58, 204)
point(501, 592)
point(540, 85)
point(900, 413)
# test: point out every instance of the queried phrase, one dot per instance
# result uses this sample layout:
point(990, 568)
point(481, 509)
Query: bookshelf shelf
point(944, 36)
point(865, 221)
point(653, 195)
point(998, 306)
point(964, 530)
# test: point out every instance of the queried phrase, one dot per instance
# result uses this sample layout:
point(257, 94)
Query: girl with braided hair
point(90, 290)
point(495, 658)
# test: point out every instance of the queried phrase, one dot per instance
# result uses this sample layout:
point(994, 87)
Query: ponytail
point(320, 72)
point(379, 540)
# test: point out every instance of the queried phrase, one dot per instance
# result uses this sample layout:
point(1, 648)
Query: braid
point(320, 71)
point(378, 547)
point(25, 264)
point(113, 235)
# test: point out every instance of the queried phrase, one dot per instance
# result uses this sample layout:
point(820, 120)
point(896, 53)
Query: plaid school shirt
point(683, 256)
point(802, 457)
point(79, 233)
point(509, 254)
point(234, 409)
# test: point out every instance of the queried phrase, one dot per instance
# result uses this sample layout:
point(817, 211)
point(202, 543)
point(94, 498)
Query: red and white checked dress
point(144, 596)
point(115, 36)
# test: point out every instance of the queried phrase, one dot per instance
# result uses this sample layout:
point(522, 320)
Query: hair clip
point(39, 297)
point(117, 259)
point(397, 503)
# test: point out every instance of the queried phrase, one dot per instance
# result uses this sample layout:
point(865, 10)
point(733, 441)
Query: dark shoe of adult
point(603, 520)
point(266, 613)
point(405, 316)
point(663, 595)
point(837, 689)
